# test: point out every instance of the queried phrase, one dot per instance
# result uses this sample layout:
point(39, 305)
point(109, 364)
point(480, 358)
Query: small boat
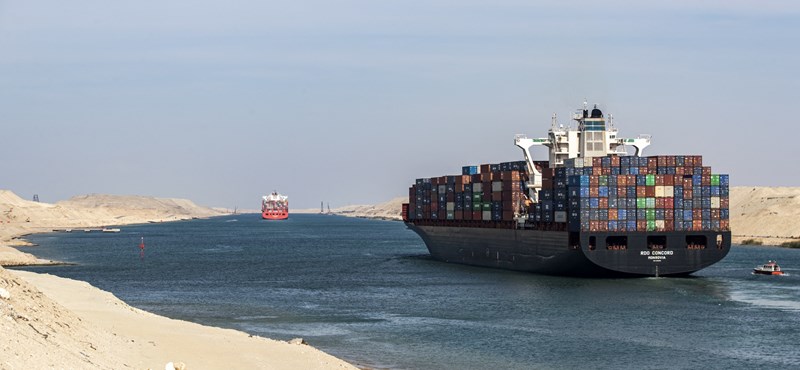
point(769, 268)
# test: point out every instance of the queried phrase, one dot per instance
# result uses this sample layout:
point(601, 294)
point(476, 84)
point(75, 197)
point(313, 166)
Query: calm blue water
point(365, 291)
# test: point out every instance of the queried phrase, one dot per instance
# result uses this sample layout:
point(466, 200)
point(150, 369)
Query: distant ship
point(275, 206)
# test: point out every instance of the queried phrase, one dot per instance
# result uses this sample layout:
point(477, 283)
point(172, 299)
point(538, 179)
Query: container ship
point(274, 206)
point(596, 207)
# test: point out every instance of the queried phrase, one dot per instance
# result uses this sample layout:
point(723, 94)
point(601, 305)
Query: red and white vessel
point(769, 268)
point(274, 206)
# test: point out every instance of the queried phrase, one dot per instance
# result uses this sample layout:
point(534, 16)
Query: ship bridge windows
point(617, 243)
point(696, 241)
point(656, 242)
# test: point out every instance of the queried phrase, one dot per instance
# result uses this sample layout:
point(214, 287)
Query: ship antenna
point(554, 121)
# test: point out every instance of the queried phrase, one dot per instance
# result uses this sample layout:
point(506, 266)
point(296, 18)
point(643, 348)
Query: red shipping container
point(487, 197)
point(486, 168)
point(615, 162)
point(659, 202)
point(725, 225)
point(679, 172)
point(597, 162)
point(467, 215)
point(660, 180)
point(650, 191)
point(724, 202)
point(706, 171)
point(697, 225)
point(477, 215)
point(688, 193)
point(669, 225)
point(669, 214)
point(622, 191)
point(603, 203)
point(602, 225)
point(641, 191)
point(612, 214)
point(594, 191)
point(442, 180)
point(458, 215)
point(669, 203)
point(594, 180)
point(652, 162)
point(434, 181)
point(706, 180)
point(641, 225)
point(597, 171)
point(508, 215)
point(622, 180)
point(497, 196)
point(688, 161)
point(715, 214)
point(593, 226)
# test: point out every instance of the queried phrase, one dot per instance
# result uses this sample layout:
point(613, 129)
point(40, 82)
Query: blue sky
point(349, 101)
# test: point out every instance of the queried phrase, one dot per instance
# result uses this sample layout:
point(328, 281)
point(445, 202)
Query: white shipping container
point(451, 206)
point(442, 188)
point(669, 191)
point(659, 191)
point(497, 186)
point(578, 164)
point(715, 202)
point(561, 216)
point(487, 215)
point(477, 187)
point(660, 225)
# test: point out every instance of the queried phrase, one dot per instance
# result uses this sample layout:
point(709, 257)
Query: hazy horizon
point(348, 102)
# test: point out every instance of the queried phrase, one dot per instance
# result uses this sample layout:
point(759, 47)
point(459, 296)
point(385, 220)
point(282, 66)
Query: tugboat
point(769, 268)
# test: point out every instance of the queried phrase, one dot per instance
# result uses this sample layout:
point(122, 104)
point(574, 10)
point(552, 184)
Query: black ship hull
point(592, 254)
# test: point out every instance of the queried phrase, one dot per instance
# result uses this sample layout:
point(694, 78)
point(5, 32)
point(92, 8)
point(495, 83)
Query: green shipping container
point(650, 202)
point(641, 203)
point(714, 180)
point(487, 207)
point(651, 215)
point(651, 180)
point(651, 225)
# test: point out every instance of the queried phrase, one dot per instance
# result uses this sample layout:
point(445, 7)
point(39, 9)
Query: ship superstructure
point(274, 206)
point(592, 208)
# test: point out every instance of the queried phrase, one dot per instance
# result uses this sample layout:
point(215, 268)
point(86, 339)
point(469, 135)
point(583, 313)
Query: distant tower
point(321, 207)
point(35, 197)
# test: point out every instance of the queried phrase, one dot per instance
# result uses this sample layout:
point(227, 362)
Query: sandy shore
point(52, 322)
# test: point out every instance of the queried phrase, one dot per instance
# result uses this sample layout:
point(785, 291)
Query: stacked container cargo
point(659, 193)
point(604, 194)
point(490, 192)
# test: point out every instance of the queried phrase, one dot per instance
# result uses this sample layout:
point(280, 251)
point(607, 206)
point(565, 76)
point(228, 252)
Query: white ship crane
point(594, 137)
